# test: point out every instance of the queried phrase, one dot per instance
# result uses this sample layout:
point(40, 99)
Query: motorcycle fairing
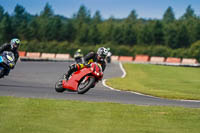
point(72, 84)
point(1, 59)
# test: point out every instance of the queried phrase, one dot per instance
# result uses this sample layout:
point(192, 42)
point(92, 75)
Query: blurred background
point(166, 28)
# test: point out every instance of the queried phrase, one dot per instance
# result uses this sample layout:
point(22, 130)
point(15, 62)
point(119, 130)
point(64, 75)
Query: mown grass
point(26, 115)
point(162, 81)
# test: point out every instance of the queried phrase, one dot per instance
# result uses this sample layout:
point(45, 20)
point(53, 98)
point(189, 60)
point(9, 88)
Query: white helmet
point(15, 43)
point(102, 52)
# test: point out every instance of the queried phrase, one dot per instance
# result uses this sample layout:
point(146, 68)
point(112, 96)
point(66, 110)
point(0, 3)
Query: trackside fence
point(144, 59)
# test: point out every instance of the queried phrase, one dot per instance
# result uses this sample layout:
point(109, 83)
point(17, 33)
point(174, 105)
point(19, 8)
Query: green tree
point(55, 28)
point(49, 24)
point(68, 31)
point(194, 50)
point(106, 30)
point(97, 18)
point(145, 34)
point(82, 20)
point(1, 13)
point(169, 15)
point(158, 35)
point(197, 31)
point(117, 35)
point(171, 35)
point(192, 27)
point(82, 16)
point(182, 36)
point(5, 29)
point(129, 34)
point(23, 31)
point(33, 28)
point(94, 34)
point(189, 13)
point(132, 17)
point(82, 35)
point(20, 22)
point(47, 12)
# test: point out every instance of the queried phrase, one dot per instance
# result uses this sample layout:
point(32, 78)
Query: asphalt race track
point(37, 80)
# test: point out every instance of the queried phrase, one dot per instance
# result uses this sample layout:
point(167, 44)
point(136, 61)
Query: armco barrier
point(126, 58)
point(114, 58)
point(156, 59)
point(173, 60)
point(63, 56)
point(22, 53)
point(33, 55)
point(189, 61)
point(48, 56)
point(141, 58)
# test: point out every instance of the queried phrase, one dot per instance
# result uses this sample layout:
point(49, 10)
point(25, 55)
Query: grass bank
point(26, 115)
point(162, 81)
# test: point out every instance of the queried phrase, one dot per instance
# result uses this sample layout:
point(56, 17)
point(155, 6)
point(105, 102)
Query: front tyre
point(84, 86)
point(2, 72)
point(59, 87)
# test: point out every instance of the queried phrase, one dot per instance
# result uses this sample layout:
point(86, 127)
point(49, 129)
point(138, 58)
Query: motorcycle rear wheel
point(84, 87)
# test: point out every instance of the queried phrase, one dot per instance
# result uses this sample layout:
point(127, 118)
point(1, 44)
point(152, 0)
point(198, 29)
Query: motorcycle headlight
point(9, 58)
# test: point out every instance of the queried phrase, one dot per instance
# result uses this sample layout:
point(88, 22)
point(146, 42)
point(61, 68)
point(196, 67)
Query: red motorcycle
point(81, 81)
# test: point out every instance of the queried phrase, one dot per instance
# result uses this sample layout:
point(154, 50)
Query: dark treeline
point(48, 32)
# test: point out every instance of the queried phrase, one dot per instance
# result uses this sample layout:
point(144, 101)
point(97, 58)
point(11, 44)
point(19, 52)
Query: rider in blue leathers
point(13, 47)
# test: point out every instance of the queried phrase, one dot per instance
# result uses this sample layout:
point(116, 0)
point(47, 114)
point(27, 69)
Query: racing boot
point(72, 69)
point(67, 75)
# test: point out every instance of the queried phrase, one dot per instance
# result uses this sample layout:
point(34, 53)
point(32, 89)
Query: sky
point(153, 9)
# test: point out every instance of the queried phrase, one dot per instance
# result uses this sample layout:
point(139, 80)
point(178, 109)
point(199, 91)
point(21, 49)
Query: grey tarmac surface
point(37, 80)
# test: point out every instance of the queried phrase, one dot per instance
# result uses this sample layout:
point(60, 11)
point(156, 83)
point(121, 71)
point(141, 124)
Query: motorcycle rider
point(108, 58)
point(78, 56)
point(12, 47)
point(89, 58)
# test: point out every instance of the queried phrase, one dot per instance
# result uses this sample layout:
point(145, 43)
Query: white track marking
point(123, 70)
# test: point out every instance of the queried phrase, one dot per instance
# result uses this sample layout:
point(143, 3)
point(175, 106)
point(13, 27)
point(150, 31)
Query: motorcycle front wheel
point(84, 86)
point(1, 73)
point(58, 85)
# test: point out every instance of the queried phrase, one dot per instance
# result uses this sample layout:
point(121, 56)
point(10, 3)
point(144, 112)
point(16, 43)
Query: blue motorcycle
point(7, 62)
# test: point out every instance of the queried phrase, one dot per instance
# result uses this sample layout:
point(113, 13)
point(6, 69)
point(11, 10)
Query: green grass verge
point(162, 81)
point(26, 115)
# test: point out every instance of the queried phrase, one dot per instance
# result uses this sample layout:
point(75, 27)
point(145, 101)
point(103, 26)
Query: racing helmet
point(78, 51)
point(102, 52)
point(15, 43)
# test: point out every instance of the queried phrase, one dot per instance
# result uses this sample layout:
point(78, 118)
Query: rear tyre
point(84, 86)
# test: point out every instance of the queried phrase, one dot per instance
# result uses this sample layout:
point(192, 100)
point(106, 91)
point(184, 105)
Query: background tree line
point(48, 32)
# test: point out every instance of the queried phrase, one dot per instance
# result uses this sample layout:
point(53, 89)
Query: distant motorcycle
point(82, 80)
point(108, 57)
point(7, 62)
